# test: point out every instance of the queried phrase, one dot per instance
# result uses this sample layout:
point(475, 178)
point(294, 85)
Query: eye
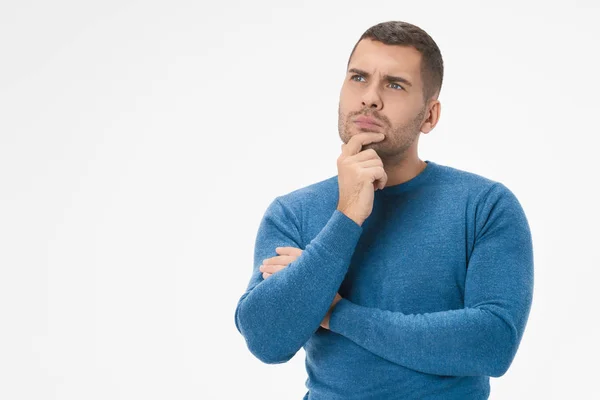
point(397, 85)
point(360, 76)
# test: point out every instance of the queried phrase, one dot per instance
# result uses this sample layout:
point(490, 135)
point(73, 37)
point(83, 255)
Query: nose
point(372, 100)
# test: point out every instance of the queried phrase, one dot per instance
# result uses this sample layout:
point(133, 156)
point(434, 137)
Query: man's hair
point(405, 34)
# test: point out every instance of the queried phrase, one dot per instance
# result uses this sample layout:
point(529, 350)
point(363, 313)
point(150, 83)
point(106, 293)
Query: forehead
point(379, 58)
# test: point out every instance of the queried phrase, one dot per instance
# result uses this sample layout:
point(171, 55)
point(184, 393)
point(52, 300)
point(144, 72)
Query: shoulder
point(480, 188)
point(464, 179)
point(301, 205)
point(307, 197)
point(486, 197)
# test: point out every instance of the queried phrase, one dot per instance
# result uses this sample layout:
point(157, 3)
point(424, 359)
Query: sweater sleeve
point(480, 339)
point(277, 316)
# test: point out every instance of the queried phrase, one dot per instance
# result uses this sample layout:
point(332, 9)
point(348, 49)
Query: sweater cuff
point(344, 317)
point(340, 235)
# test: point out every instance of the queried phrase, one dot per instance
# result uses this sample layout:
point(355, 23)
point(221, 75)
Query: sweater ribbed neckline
point(412, 183)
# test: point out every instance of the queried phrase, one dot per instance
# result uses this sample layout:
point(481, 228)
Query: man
point(400, 278)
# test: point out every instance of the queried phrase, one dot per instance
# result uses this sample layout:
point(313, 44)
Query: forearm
point(465, 342)
point(278, 315)
point(480, 339)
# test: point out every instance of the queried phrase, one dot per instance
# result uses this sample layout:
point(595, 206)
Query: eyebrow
point(388, 78)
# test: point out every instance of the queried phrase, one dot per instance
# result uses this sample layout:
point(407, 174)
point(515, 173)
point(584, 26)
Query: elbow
point(504, 356)
point(502, 344)
point(267, 348)
point(237, 316)
point(263, 344)
point(499, 368)
point(503, 362)
point(270, 357)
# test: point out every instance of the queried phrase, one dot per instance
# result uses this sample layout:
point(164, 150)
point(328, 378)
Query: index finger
point(356, 142)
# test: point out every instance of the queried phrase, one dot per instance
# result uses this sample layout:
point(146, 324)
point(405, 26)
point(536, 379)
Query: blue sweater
point(437, 286)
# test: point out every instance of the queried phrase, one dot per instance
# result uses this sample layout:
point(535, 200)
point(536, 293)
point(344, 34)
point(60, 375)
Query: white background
point(141, 142)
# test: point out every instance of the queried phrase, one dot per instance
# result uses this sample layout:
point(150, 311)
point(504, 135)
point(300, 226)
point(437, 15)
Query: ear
point(432, 119)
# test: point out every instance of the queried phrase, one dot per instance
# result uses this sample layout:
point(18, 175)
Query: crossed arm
point(480, 339)
point(483, 337)
point(278, 315)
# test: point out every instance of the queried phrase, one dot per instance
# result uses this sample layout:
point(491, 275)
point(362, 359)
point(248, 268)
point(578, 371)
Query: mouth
point(368, 125)
point(368, 120)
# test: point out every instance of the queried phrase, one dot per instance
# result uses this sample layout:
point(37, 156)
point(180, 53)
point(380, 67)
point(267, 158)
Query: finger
point(356, 142)
point(265, 275)
point(380, 176)
point(292, 251)
point(368, 154)
point(376, 162)
point(383, 182)
point(279, 260)
point(272, 268)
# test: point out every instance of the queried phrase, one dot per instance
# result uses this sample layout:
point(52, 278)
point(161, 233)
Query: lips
point(367, 120)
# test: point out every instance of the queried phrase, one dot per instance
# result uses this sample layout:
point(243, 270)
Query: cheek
point(400, 116)
point(350, 96)
point(343, 114)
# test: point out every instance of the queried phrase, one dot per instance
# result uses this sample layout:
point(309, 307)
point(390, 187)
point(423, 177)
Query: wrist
point(357, 220)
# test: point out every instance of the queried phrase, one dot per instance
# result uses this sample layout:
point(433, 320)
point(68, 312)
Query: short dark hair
point(404, 34)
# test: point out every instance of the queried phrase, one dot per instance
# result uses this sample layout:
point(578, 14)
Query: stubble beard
point(394, 146)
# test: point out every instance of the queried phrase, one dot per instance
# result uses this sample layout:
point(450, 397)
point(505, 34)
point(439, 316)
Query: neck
point(404, 170)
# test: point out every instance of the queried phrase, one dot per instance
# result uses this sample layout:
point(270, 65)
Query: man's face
point(398, 106)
